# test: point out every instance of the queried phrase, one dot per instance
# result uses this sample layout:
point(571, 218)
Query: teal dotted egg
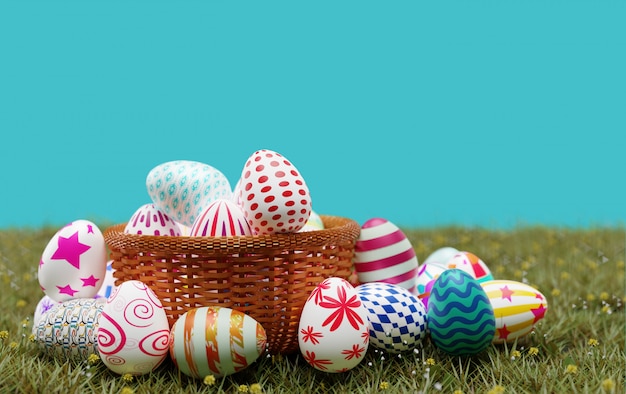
point(460, 315)
point(183, 189)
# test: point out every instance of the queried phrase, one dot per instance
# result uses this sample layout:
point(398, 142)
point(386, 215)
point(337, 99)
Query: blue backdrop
point(424, 113)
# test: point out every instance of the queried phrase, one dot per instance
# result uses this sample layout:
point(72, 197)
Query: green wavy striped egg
point(460, 316)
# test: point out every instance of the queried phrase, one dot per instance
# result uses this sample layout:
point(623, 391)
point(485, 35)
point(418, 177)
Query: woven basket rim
point(339, 230)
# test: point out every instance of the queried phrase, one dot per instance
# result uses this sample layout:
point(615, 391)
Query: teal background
point(486, 113)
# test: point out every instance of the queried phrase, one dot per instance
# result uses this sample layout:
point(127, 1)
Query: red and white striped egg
point(517, 307)
point(333, 331)
point(134, 333)
point(471, 264)
point(222, 218)
point(214, 340)
point(384, 254)
point(274, 195)
point(149, 220)
point(73, 264)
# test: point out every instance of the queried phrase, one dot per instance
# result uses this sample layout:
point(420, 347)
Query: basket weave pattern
point(268, 277)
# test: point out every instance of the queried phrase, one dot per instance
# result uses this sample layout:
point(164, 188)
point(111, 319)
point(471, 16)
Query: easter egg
point(426, 276)
point(73, 264)
point(333, 331)
point(43, 306)
point(108, 283)
point(221, 218)
point(460, 315)
point(274, 195)
point(397, 319)
point(182, 188)
point(517, 307)
point(441, 256)
point(214, 340)
point(69, 329)
point(149, 220)
point(134, 333)
point(384, 254)
point(471, 264)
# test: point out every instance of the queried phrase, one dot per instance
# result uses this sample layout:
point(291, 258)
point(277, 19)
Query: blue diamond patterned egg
point(397, 318)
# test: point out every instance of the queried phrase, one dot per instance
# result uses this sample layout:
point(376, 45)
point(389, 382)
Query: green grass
point(581, 272)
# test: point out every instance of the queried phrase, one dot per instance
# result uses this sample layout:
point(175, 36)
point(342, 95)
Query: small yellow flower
point(20, 304)
point(4, 334)
point(591, 297)
point(515, 354)
point(127, 390)
point(518, 274)
point(31, 337)
point(430, 361)
point(25, 323)
point(556, 292)
point(571, 369)
point(255, 388)
point(383, 385)
point(497, 389)
point(525, 265)
point(564, 275)
point(533, 351)
point(604, 296)
point(606, 309)
point(209, 380)
point(593, 342)
point(13, 345)
point(500, 269)
point(458, 392)
point(608, 385)
point(93, 359)
point(243, 388)
point(560, 262)
point(620, 264)
point(127, 377)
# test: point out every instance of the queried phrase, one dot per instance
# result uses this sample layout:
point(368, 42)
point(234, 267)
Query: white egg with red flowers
point(73, 264)
point(333, 331)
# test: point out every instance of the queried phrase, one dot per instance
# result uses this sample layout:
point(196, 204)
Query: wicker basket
point(267, 277)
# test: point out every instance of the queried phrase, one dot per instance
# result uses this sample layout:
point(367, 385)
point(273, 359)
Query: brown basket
point(268, 277)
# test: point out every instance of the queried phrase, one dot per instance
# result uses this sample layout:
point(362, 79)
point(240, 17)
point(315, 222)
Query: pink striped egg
point(149, 220)
point(517, 308)
point(384, 254)
point(222, 218)
point(274, 196)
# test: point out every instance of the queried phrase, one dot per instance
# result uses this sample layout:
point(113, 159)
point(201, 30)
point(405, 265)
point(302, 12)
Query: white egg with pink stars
point(73, 264)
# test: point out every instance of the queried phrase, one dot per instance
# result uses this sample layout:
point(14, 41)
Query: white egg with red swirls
point(133, 336)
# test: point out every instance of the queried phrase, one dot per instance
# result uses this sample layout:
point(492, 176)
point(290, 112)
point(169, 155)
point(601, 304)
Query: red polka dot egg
point(274, 197)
